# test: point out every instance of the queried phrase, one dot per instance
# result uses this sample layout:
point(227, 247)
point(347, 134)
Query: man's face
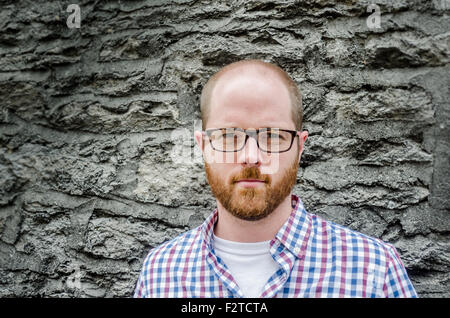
point(252, 101)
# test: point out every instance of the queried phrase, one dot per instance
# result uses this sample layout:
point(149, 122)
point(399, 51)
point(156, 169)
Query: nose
point(250, 154)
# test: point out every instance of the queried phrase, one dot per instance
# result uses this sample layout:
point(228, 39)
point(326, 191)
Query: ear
point(198, 135)
point(302, 136)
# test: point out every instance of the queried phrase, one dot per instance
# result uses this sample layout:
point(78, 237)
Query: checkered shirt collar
point(293, 235)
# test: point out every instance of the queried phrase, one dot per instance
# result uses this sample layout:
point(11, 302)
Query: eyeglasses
point(272, 140)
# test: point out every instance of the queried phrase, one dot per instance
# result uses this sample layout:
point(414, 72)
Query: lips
point(250, 183)
point(250, 180)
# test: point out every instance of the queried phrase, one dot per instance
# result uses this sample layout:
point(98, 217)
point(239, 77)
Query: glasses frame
point(251, 133)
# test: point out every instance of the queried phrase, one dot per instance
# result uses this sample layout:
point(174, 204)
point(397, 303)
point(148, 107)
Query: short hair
point(293, 90)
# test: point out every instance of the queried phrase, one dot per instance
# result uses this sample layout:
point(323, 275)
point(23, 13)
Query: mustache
point(251, 173)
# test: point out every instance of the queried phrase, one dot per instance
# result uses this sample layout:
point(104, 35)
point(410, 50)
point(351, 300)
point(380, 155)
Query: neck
point(231, 228)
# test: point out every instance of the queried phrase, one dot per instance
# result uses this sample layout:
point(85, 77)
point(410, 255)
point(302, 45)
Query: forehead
point(250, 100)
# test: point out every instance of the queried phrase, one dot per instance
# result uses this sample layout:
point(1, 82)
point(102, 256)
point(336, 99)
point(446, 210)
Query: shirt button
point(297, 250)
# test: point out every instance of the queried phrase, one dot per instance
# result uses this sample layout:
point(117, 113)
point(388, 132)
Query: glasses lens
point(269, 140)
point(274, 140)
point(227, 139)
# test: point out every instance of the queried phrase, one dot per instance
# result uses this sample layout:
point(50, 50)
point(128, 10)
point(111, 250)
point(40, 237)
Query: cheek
point(275, 164)
point(216, 158)
point(220, 172)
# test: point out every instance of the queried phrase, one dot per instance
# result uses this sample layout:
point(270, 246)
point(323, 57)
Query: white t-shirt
point(251, 264)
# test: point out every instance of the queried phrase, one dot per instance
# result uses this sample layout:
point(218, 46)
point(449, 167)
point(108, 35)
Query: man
point(260, 241)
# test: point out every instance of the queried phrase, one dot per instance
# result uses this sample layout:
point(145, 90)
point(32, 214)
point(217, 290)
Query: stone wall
point(88, 180)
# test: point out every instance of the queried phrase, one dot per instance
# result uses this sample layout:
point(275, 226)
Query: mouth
point(250, 183)
point(251, 180)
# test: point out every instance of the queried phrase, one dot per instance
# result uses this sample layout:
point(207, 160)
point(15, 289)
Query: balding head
point(258, 68)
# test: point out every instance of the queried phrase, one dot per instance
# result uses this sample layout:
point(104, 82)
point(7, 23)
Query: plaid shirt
point(316, 258)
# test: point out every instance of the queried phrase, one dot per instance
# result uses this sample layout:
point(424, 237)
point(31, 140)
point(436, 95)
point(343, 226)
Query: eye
point(273, 135)
point(229, 136)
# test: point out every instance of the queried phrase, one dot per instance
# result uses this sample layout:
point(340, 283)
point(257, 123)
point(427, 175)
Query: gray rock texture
point(91, 117)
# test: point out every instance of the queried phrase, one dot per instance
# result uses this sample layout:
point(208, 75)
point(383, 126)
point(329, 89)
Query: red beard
point(252, 204)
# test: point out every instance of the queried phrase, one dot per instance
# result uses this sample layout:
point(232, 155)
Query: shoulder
point(165, 264)
point(353, 243)
point(172, 250)
point(358, 255)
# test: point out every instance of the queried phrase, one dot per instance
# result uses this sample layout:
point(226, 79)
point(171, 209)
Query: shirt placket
point(223, 274)
point(285, 260)
point(217, 267)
